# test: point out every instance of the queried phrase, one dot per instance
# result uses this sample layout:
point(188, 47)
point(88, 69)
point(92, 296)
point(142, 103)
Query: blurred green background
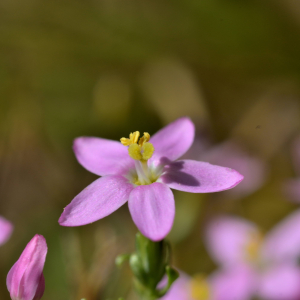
point(108, 67)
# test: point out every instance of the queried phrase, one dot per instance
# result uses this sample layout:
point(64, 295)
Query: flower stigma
point(199, 287)
point(140, 150)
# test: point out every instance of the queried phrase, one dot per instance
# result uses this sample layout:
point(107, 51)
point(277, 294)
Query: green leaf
point(172, 275)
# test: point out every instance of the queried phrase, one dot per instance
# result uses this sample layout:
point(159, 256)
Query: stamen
point(144, 139)
point(140, 150)
point(133, 138)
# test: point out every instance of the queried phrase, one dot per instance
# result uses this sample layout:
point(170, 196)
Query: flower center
point(140, 150)
point(199, 287)
point(252, 248)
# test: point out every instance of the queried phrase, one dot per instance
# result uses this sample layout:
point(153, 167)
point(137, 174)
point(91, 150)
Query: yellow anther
point(253, 246)
point(125, 141)
point(144, 139)
point(148, 150)
point(200, 289)
point(134, 151)
point(133, 138)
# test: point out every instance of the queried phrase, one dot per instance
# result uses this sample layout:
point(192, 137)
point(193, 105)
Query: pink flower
point(25, 280)
point(6, 229)
point(230, 284)
point(268, 265)
point(143, 174)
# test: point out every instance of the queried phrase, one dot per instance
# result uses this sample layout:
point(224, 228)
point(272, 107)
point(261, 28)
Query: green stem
point(149, 264)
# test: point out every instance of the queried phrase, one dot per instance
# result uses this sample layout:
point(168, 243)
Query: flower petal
point(233, 284)
point(24, 278)
point(283, 242)
point(101, 156)
point(40, 285)
point(199, 177)
point(172, 141)
point(227, 239)
point(9, 277)
point(291, 189)
point(98, 200)
point(280, 283)
point(152, 208)
point(40, 289)
point(231, 155)
point(6, 229)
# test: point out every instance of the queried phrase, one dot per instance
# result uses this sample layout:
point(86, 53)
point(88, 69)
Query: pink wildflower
point(6, 229)
point(231, 284)
point(270, 264)
point(25, 280)
point(143, 174)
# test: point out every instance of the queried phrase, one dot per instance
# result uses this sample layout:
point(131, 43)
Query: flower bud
point(25, 280)
point(6, 229)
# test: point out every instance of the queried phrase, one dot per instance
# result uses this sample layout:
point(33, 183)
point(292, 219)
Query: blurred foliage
point(107, 67)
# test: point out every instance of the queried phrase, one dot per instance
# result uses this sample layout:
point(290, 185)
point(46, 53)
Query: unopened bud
point(25, 280)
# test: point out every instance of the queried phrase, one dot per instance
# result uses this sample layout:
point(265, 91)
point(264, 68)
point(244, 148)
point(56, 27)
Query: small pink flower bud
point(25, 280)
